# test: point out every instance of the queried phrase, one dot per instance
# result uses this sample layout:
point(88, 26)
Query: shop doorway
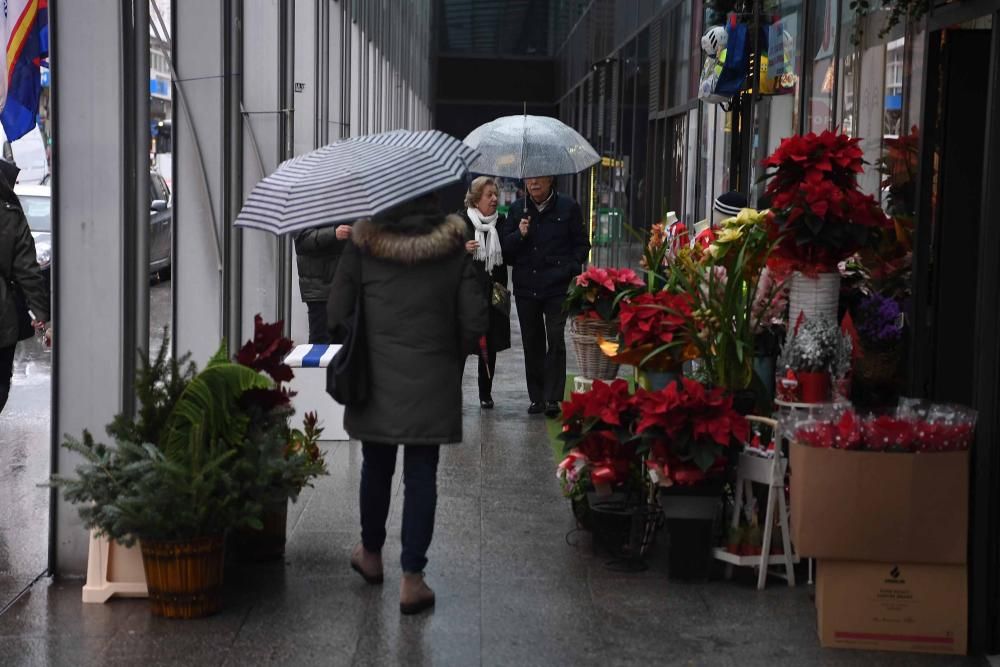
point(956, 356)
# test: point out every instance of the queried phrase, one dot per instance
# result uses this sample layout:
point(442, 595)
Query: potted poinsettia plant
point(689, 433)
point(820, 216)
point(603, 472)
point(593, 303)
point(270, 415)
point(181, 472)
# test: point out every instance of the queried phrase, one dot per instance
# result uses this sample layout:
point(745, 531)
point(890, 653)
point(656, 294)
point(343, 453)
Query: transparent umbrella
point(526, 146)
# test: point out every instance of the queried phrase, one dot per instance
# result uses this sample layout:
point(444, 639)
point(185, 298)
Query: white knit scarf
point(489, 251)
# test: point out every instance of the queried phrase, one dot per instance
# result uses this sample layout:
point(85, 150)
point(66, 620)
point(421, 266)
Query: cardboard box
point(885, 607)
point(880, 506)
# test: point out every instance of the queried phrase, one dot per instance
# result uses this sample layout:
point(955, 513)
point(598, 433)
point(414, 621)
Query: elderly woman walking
point(424, 313)
point(483, 231)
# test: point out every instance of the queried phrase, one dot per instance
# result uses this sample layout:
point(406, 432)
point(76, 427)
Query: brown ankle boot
point(414, 593)
point(367, 564)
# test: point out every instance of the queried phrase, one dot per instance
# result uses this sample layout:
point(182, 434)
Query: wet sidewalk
point(515, 585)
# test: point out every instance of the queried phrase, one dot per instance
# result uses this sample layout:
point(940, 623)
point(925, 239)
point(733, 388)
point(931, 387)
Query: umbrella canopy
point(529, 146)
point(354, 178)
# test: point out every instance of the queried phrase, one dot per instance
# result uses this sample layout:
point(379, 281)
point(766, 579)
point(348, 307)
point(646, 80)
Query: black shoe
point(552, 409)
point(486, 403)
point(536, 409)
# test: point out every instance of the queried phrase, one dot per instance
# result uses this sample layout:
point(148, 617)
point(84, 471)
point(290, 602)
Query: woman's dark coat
point(424, 313)
point(18, 264)
point(498, 335)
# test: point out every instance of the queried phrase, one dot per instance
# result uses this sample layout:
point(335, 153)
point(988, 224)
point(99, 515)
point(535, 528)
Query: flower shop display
point(727, 307)
point(593, 303)
point(621, 446)
point(890, 486)
point(821, 217)
point(199, 458)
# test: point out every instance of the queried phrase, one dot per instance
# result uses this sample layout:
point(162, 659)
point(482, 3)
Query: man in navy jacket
point(546, 243)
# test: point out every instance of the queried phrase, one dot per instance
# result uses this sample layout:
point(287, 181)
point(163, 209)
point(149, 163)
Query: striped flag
point(26, 33)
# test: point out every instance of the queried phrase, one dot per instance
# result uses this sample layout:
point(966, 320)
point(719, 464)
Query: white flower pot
point(815, 297)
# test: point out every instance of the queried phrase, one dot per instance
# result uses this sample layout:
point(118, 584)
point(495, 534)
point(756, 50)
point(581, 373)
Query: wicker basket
point(593, 363)
point(814, 297)
point(184, 578)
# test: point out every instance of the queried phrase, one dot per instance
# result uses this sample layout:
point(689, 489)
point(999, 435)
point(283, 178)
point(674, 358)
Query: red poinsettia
point(266, 354)
point(692, 423)
point(654, 319)
point(821, 216)
point(597, 292)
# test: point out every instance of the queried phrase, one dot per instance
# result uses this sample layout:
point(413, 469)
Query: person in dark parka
point(487, 254)
point(546, 242)
point(317, 252)
point(18, 267)
point(424, 313)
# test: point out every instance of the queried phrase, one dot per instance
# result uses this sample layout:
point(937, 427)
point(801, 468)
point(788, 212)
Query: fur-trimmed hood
point(410, 234)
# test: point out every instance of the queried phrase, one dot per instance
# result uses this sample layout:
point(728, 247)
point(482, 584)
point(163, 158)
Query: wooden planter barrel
point(184, 577)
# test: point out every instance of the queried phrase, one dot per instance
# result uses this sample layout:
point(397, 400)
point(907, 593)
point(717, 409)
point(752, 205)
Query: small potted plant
point(810, 353)
point(689, 433)
point(593, 302)
point(880, 324)
point(181, 473)
point(270, 413)
point(603, 471)
point(653, 330)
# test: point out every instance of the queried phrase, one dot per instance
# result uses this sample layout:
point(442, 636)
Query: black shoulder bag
point(347, 376)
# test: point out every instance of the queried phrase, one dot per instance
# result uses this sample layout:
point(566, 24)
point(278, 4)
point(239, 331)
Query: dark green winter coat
point(317, 252)
point(18, 264)
point(424, 312)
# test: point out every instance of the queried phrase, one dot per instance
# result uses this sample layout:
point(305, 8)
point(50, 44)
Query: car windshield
point(38, 211)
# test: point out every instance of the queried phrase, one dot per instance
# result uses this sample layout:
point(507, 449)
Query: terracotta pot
point(814, 386)
point(266, 544)
point(184, 577)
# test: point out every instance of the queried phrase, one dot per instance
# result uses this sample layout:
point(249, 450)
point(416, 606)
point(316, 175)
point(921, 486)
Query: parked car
point(36, 200)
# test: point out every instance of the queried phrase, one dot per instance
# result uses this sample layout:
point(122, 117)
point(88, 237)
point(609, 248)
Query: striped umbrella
point(354, 178)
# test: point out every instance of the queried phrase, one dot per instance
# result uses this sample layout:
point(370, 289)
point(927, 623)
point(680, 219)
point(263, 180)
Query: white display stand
point(309, 364)
point(770, 471)
point(581, 384)
point(113, 570)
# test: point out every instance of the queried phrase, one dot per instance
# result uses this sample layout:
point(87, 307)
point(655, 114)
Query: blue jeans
point(419, 499)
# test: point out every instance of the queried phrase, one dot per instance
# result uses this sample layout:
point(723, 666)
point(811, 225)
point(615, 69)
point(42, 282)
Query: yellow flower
point(729, 235)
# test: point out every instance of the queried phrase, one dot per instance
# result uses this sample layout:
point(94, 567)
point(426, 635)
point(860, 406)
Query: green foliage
point(194, 462)
point(207, 418)
point(159, 384)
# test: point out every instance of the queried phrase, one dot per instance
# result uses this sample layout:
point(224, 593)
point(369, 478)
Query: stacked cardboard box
point(890, 534)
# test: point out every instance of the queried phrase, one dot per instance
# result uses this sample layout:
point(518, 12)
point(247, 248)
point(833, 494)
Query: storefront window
point(820, 65)
point(776, 115)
